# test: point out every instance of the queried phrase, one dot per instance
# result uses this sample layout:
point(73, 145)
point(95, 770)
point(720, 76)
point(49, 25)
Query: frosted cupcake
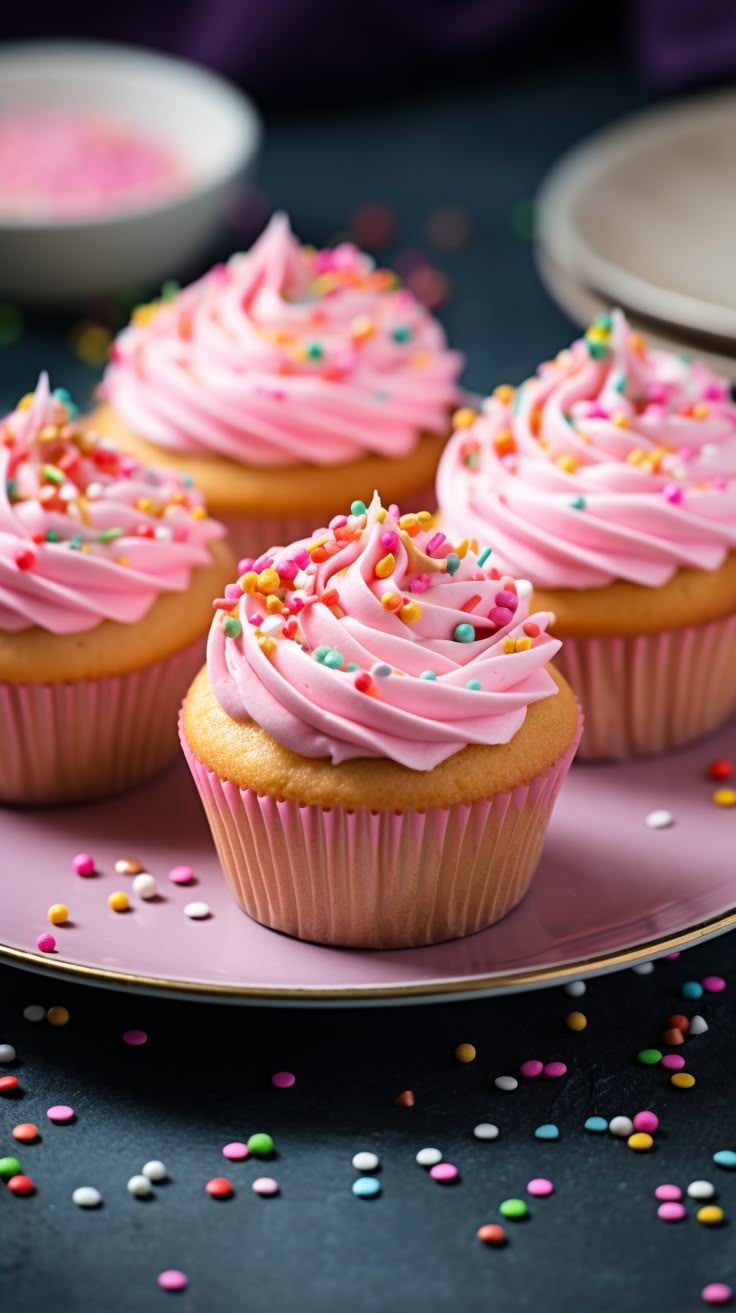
point(609, 480)
point(107, 570)
point(376, 737)
point(281, 377)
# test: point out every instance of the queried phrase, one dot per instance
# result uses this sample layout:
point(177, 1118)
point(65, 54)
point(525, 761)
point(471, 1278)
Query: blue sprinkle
point(321, 652)
point(366, 1187)
point(333, 660)
point(76, 542)
point(596, 1124)
point(692, 989)
point(725, 1158)
point(358, 508)
point(62, 395)
point(464, 633)
point(453, 563)
point(473, 683)
point(547, 1132)
point(484, 556)
point(352, 666)
point(402, 333)
point(427, 674)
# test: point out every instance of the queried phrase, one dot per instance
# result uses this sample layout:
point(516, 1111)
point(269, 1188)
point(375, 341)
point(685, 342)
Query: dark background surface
point(204, 1076)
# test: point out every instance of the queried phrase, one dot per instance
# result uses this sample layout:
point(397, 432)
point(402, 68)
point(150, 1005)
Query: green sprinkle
point(649, 1057)
point(427, 674)
point(233, 627)
point(334, 659)
point(516, 403)
point(578, 503)
point(52, 536)
point(11, 324)
point(605, 322)
point(313, 351)
point(321, 652)
point(9, 1167)
point(464, 633)
point(471, 460)
point(453, 563)
point(473, 683)
point(619, 385)
point(11, 490)
point(484, 555)
point(597, 350)
point(351, 667)
point(260, 1144)
point(170, 289)
point(513, 1209)
point(52, 475)
point(402, 334)
point(358, 508)
point(109, 535)
point(76, 542)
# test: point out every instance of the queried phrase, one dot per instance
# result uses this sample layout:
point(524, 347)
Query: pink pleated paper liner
point(72, 742)
point(378, 879)
point(653, 692)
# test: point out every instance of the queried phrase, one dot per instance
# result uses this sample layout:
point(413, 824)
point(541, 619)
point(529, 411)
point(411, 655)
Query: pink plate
point(609, 892)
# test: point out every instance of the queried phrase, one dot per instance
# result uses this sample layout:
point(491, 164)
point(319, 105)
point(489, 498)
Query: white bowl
point(208, 124)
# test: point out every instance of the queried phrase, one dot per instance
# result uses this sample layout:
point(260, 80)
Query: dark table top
point(203, 1078)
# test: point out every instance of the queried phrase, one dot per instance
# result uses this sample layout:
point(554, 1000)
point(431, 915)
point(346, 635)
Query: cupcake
point(280, 377)
point(609, 480)
point(376, 737)
point(107, 571)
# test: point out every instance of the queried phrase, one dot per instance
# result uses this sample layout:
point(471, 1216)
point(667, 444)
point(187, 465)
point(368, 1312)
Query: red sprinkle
point(721, 769)
point(491, 1234)
point(219, 1187)
point(8, 1083)
point(679, 1022)
point(363, 681)
point(21, 1185)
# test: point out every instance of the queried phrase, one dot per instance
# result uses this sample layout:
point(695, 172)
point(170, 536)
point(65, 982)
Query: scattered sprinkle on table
point(668, 1193)
point(621, 1126)
point(547, 1132)
point(118, 901)
point(465, 1053)
point(26, 1132)
point(58, 914)
point(34, 1012)
point(576, 1021)
point(673, 1062)
point(60, 1113)
point(531, 1068)
point(197, 911)
point(513, 1209)
point(671, 1212)
point(725, 797)
point(721, 769)
point(144, 886)
point(181, 875)
point(366, 1187)
point(643, 968)
point(140, 1186)
point(7, 1054)
point(445, 1173)
point(698, 1025)
point(649, 1057)
point(135, 1038)
point(83, 864)
point(46, 943)
point(640, 1141)
point(172, 1279)
point(429, 1157)
point(714, 984)
point(710, 1215)
point(406, 1099)
point(485, 1131)
point(596, 1124)
point(8, 1084)
point(659, 820)
point(236, 1151)
point(9, 1167)
point(283, 1080)
point(365, 1161)
point(717, 1292)
point(540, 1187)
point(725, 1158)
point(682, 1080)
point(646, 1121)
point(86, 1196)
point(260, 1144)
point(692, 989)
point(21, 1185)
point(491, 1234)
point(553, 1070)
point(155, 1170)
point(506, 1083)
point(266, 1185)
point(219, 1187)
point(128, 866)
point(701, 1190)
point(575, 988)
point(58, 1016)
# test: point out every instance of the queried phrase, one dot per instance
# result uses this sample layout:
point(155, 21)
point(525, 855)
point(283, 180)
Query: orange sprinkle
point(462, 548)
point(463, 418)
point(503, 443)
point(471, 603)
point(318, 555)
point(701, 411)
point(267, 645)
point(638, 344)
point(392, 602)
point(504, 393)
point(330, 597)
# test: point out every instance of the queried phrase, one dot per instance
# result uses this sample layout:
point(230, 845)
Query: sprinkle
point(45, 943)
point(721, 769)
point(8, 1084)
point(576, 1021)
point(640, 1141)
point(406, 1099)
point(232, 627)
point(725, 797)
point(547, 1132)
point(236, 1151)
point(445, 1173)
point(155, 1170)
point(366, 1187)
point(465, 1053)
point(701, 1190)
point(283, 1080)
point(646, 1121)
point(139, 1186)
point(673, 1036)
point(710, 1215)
point(34, 1012)
point(358, 508)
point(144, 886)
point(698, 1025)
point(58, 914)
point(484, 556)
point(464, 633)
point(452, 563)
point(575, 988)
point(578, 504)
point(7, 1053)
point(135, 1038)
point(429, 1157)
point(219, 1187)
point(172, 1279)
point(9, 1167)
point(197, 911)
point(668, 1193)
point(485, 1131)
point(725, 1158)
point(682, 1080)
point(21, 1185)
point(673, 1062)
point(716, 1292)
point(86, 1196)
point(692, 989)
point(659, 820)
point(181, 875)
point(540, 1187)
point(60, 1113)
point(506, 1083)
point(265, 1186)
point(402, 334)
point(598, 1124)
point(513, 1209)
point(58, 1016)
point(531, 1068)
point(260, 1144)
point(621, 1126)
point(380, 670)
point(553, 1070)
point(671, 1212)
point(128, 866)
point(464, 418)
point(427, 674)
point(649, 1057)
point(491, 1234)
point(365, 1161)
point(84, 864)
point(119, 901)
point(26, 1132)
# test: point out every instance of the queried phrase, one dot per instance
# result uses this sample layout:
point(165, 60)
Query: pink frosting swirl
point(378, 639)
point(615, 462)
point(85, 533)
point(283, 355)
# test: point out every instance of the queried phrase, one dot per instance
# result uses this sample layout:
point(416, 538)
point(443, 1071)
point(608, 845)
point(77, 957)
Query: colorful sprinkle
point(692, 989)
point(682, 1080)
point(671, 1212)
point(485, 1131)
point(725, 1158)
point(714, 984)
point(621, 1126)
point(25, 1132)
point(599, 1124)
point(717, 1292)
point(8, 1084)
point(128, 866)
point(58, 1016)
point(465, 1053)
point(547, 1132)
point(701, 1190)
point(531, 1068)
point(283, 1080)
point(514, 1210)
point(710, 1215)
point(172, 1279)
point(640, 1142)
point(576, 1021)
point(491, 1234)
point(21, 1185)
point(119, 901)
point(540, 1187)
point(135, 1037)
point(365, 1161)
point(197, 911)
point(659, 820)
point(260, 1144)
point(236, 1151)
point(84, 864)
point(9, 1167)
point(46, 943)
point(553, 1070)
point(649, 1057)
point(429, 1157)
point(668, 1193)
point(725, 797)
point(58, 914)
point(646, 1121)
point(265, 1186)
point(219, 1187)
point(86, 1196)
point(366, 1187)
point(721, 769)
point(60, 1113)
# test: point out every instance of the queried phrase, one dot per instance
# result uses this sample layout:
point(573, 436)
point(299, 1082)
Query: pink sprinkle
point(337, 522)
point(128, 465)
point(263, 563)
point(265, 1185)
point(394, 511)
point(290, 569)
point(715, 391)
point(444, 1172)
point(669, 1194)
point(596, 411)
point(672, 492)
point(181, 875)
point(714, 984)
point(46, 943)
point(419, 585)
point(435, 541)
point(84, 864)
point(646, 1121)
point(302, 558)
point(61, 1112)
point(671, 957)
point(172, 1279)
point(686, 453)
point(389, 540)
point(283, 1080)
point(233, 592)
point(532, 1067)
point(716, 1293)
point(554, 1069)
point(245, 565)
point(255, 620)
point(657, 392)
point(500, 615)
point(673, 1062)
point(671, 1212)
point(135, 1037)
point(236, 1151)
point(540, 1187)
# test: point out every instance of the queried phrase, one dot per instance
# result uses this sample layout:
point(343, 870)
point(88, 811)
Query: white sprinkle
point(7, 1053)
point(701, 1190)
point(155, 1170)
point(85, 1196)
point(272, 625)
point(575, 988)
point(265, 1185)
point(67, 492)
point(430, 1157)
point(380, 670)
point(140, 1186)
point(197, 911)
point(523, 588)
point(698, 1025)
point(506, 1083)
point(485, 1131)
point(34, 1012)
point(162, 533)
point(301, 579)
point(709, 450)
point(144, 885)
point(622, 1126)
point(659, 820)
point(365, 1162)
point(643, 968)
point(93, 491)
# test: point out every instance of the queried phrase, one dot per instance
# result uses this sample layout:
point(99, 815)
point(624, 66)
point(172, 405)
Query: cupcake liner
point(72, 742)
point(652, 692)
point(378, 879)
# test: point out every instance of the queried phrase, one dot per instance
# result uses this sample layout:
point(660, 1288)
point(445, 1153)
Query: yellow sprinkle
point(268, 581)
point(318, 542)
point(462, 548)
point(523, 644)
point(725, 797)
point(57, 1016)
point(143, 314)
point(700, 410)
point(682, 1080)
point(463, 418)
point(584, 437)
point(49, 433)
point(199, 513)
point(596, 333)
point(25, 401)
point(710, 1215)
point(119, 901)
point(323, 283)
point(636, 456)
point(248, 581)
point(410, 613)
point(566, 462)
point(508, 646)
point(274, 605)
point(385, 566)
point(143, 504)
point(465, 1053)
point(410, 524)
point(58, 914)
point(620, 420)
point(503, 442)
point(381, 515)
point(122, 560)
point(424, 517)
point(640, 1140)
point(362, 328)
point(267, 645)
point(504, 393)
point(576, 1021)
